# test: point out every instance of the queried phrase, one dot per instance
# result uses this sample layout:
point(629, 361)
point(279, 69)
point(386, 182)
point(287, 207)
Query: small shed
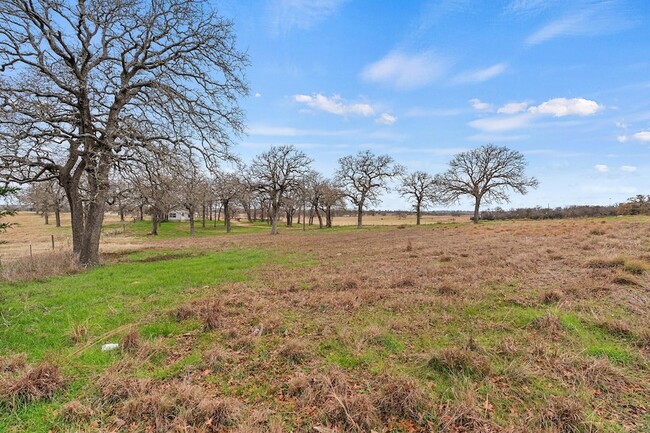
point(178, 215)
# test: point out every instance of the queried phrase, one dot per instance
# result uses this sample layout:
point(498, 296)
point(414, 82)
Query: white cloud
point(335, 105)
point(258, 95)
point(560, 107)
point(386, 119)
point(500, 123)
point(621, 125)
point(479, 105)
point(480, 75)
point(642, 136)
point(286, 15)
point(513, 107)
point(622, 138)
point(628, 168)
point(406, 71)
point(601, 168)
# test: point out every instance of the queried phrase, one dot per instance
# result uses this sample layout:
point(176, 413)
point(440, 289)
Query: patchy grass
point(513, 326)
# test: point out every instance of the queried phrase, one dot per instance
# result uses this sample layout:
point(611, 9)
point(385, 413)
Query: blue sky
point(567, 83)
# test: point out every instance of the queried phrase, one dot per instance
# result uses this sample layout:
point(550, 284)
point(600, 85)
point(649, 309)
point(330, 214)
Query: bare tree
point(84, 82)
point(364, 176)
point(422, 189)
point(331, 196)
point(192, 186)
point(228, 188)
point(151, 180)
point(487, 174)
point(44, 198)
point(276, 173)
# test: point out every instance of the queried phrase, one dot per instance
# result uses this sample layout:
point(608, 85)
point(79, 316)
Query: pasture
point(447, 327)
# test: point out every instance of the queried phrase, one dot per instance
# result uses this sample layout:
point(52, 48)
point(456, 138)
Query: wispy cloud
point(528, 7)
point(386, 119)
point(479, 105)
point(642, 136)
point(600, 17)
point(407, 71)
point(513, 108)
point(628, 168)
point(286, 15)
point(501, 123)
point(335, 105)
point(602, 168)
point(480, 75)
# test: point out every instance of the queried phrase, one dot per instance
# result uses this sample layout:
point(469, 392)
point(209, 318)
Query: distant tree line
point(542, 213)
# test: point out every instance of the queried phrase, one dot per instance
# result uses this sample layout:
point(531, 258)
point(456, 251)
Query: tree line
point(102, 100)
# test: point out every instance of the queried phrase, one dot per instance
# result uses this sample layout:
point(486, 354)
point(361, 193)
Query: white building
point(178, 215)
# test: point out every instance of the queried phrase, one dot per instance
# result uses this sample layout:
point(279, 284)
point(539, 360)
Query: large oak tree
point(364, 176)
point(84, 82)
point(488, 174)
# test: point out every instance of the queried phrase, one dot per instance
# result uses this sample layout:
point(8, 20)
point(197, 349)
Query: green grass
point(40, 316)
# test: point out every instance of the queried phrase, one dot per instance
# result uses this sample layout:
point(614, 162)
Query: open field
point(450, 327)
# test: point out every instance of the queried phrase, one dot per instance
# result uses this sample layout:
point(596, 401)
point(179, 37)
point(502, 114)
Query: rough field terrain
point(447, 327)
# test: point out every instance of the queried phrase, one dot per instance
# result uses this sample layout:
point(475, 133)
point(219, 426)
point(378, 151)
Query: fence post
point(52, 242)
point(31, 255)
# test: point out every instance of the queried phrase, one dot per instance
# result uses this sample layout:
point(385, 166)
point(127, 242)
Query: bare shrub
point(216, 358)
point(548, 323)
point(131, 341)
point(401, 398)
point(294, 351)
point(459, 361)
point(563, 415)
point(211, 316)
point(75, 412)
point(551, 297)
point(464, 414)
point(36, 383)
point(179, 407)
point(353, 410)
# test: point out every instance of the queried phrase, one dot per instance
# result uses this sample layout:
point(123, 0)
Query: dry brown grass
point(344, 344)
point(40, 382)
point(40, 266)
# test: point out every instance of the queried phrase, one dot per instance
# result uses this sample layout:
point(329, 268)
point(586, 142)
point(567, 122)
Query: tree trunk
point(477, 204)
point(418, 213)
point(360, 215)
point(320, 218)
point(226, 214)
point(57, 216)
point(155, 221)
point(289, 219)
point(141, 212)
point(121, 214)
point(192, 231)
point(328, 217)
point(203, 218)
point(46, 215)
point(273, 216)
